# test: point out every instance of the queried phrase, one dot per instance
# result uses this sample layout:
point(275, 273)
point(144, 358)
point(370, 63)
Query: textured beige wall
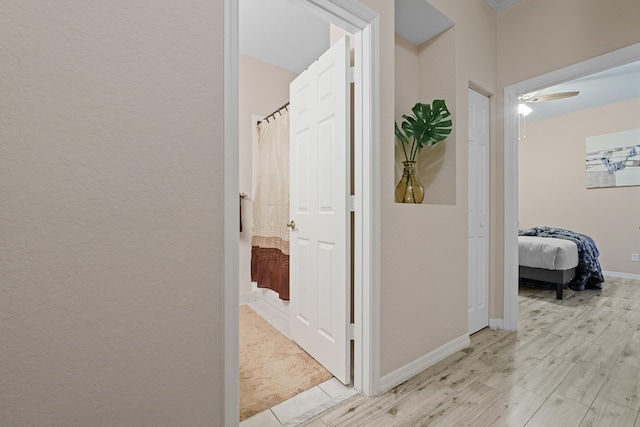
point(262, 88)
point(553, 185)
point(424, 248)
point(407, 85)
point(407, 77)
point(111, 213)
point(539, 36)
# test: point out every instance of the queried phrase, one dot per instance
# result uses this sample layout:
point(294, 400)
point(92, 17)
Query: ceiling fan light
point(524, 109)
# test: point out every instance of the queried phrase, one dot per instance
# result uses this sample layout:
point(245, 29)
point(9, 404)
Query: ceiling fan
point(533, 97)
point(524, 110)
point(548, 97)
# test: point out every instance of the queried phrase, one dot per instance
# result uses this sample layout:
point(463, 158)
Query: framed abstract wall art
point(613, 159)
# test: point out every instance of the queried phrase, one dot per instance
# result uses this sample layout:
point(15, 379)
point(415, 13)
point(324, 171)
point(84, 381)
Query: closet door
point(478, 226)
point(319, 252)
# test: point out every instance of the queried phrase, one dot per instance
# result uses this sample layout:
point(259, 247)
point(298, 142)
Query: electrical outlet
point(634, 257)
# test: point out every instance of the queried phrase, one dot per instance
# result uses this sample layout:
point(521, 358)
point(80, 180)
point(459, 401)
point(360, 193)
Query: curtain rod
point(274, 113)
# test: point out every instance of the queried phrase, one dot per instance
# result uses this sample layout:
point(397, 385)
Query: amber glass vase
point(409, 189)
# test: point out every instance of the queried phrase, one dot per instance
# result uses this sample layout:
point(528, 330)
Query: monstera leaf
point(427, 126)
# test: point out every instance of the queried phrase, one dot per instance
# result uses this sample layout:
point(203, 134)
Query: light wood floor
point(574, 362)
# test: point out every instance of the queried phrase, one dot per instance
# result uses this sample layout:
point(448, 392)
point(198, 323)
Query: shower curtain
point(270, 241)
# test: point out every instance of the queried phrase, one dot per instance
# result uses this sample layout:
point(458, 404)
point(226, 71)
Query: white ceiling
point(418, 21)
point(285, 34)
point(282, 33)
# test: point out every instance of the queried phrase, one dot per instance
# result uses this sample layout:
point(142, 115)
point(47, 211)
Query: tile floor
point(305, 405)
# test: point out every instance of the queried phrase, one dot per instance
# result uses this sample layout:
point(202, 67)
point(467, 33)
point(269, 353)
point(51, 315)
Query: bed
point(547, 260)
point(558, 257)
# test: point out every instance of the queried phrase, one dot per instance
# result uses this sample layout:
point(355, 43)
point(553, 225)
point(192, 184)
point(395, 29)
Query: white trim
point(272, 298)
point(347, 14)
point(510, 315)
point(414, 368)
point(496, 324)
point(367, 209)
point(499, 5)
point(609, 60)
point(621, 275)
point(354, 17)
point(231, 275)
point(248, 297)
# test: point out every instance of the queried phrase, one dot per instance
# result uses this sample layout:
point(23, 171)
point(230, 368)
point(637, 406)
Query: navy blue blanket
point(588, 272)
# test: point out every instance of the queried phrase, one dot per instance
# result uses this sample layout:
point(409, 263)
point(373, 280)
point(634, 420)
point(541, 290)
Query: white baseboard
point(496, 324)
point(411, 369)
point(248, 297)
point(272, 298)
point(621, 275)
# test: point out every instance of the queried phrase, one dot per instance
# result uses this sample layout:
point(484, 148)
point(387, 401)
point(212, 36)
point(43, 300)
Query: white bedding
point(546, 252)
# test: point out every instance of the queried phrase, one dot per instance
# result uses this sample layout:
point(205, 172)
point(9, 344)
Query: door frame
point(511, 159)
point(365, 24)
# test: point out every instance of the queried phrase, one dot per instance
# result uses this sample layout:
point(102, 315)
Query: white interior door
point(478, 246)
point(319, 251)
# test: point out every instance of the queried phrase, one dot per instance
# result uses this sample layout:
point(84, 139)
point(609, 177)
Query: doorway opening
point(511, 159)
point(272, 374)
point(299, 246)
point(364, 23)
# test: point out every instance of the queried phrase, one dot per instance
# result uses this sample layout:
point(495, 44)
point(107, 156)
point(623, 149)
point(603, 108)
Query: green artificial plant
point(427, 126)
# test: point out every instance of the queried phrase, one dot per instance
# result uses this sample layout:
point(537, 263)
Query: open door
point(320, 227)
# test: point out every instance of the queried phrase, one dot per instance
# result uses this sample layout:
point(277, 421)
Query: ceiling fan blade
point(550, 96)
